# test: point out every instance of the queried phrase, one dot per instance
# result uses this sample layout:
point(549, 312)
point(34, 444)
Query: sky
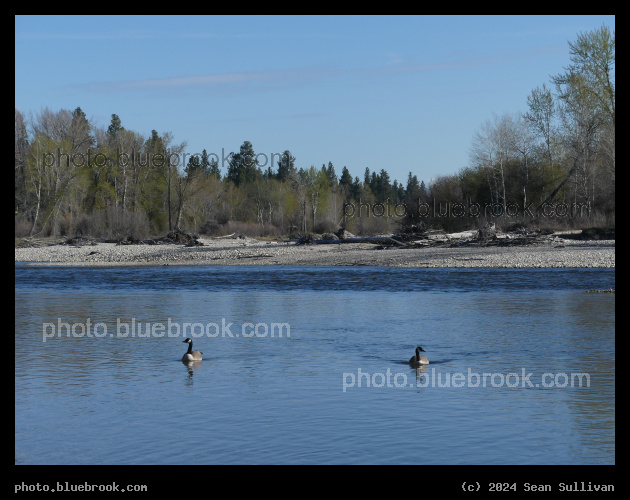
point(400, 93)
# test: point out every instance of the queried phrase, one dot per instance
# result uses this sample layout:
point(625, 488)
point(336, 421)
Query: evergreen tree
point(194, 165)
point(115, 126)
point(413, 187)
point(80, 131)
point(346, 178)
point(213, 168)
point(204, 164)
point(423, 194)
point(285, 166)
point(357, 189)
point(79, 114)
point(415, 194)
point(382, 188)
point(345, 184)
point(366, 176)
point(330, 173)
point(398, 192)
point(243, 168)
point(156, 183)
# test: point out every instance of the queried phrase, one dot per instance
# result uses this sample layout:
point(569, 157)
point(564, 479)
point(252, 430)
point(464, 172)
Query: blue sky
point(403, 93)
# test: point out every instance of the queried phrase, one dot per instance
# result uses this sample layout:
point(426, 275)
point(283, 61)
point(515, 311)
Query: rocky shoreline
point(555, 252)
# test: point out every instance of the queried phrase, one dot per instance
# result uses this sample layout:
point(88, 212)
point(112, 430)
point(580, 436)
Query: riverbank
point(558, 253)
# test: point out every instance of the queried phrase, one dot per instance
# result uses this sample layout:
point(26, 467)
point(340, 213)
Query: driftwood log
point(487, 236)
point(377, 240)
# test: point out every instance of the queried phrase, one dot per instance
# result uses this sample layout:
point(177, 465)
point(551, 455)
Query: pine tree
point(285, 166)
point(194, 164)
point(415, 194)
point(204, 163)
point(80, 131)
point(115, 126)
point(243, 168)
point(346, 178)
point(213, 168)
point(330, 173)
point(383, 187)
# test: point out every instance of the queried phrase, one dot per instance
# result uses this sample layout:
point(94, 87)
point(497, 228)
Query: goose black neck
point(189, 347)
point(417, 354)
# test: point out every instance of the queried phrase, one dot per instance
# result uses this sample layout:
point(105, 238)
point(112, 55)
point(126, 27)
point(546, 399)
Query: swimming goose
point(190, 354)
point(418, 359)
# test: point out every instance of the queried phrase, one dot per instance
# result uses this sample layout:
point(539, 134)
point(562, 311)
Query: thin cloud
point(143, 35)
point(225, 81)
point(394, 59)
point(233, 83)
point(305, 116)
point(203, 80)
point(471, 61)
point(135, 35)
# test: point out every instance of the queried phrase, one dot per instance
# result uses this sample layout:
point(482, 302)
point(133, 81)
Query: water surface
point(331, 383)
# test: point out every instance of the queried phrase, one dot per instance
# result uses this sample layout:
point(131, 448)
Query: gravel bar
point(246, 251)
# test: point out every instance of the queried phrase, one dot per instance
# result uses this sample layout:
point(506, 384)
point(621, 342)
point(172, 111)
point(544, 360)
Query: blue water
point(308, 365)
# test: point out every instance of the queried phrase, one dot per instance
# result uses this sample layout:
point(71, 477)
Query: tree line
point(555, 162)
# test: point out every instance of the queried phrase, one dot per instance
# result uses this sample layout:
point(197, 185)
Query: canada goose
point(418, 359)
point(190, 354)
